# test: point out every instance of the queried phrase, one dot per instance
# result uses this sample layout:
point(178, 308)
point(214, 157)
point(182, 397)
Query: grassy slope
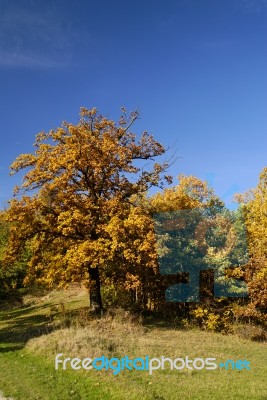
point(27, 351)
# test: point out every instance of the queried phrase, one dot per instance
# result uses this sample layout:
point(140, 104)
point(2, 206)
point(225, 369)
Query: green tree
point(11, 276)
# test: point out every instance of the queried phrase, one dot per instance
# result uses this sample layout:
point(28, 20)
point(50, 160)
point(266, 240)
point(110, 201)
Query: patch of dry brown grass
point(118, 331)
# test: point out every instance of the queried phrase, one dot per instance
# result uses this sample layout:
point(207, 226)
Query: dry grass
point(118, 334)
point(114, 334)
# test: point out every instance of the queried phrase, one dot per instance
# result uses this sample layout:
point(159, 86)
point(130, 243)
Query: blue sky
point(196, 69)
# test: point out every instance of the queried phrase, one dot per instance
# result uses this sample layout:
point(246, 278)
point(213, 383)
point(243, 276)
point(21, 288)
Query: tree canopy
point(79, 183)
point(83, 214)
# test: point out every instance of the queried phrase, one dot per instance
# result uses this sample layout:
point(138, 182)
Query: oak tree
point(80, 180)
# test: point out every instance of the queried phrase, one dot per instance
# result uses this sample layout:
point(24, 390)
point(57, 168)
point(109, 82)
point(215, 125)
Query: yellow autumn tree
point(79, 183)
point(255, 208)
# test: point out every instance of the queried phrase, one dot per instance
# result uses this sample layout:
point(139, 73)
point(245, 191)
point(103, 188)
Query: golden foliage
point(85, 180)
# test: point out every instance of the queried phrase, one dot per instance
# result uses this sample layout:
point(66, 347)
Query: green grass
point(29, 343)
point(25, 376)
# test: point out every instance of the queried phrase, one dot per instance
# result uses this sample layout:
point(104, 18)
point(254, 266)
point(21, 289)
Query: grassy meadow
point(32, 333)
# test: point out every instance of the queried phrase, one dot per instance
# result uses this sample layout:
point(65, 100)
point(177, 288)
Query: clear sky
point(197, 70)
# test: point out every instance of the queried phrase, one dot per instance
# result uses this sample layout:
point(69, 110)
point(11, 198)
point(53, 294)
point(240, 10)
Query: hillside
point(31, 335)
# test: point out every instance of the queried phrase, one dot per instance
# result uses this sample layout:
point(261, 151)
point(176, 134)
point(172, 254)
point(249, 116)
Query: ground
point(32, 333)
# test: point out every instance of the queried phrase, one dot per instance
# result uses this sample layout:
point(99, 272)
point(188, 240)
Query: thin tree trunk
point(95, 298)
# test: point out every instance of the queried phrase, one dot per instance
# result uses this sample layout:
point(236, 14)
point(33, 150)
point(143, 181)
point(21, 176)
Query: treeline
point(83, 215)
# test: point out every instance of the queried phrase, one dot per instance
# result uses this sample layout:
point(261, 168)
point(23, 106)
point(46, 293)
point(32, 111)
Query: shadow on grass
point(18, 326)
point(19, 330)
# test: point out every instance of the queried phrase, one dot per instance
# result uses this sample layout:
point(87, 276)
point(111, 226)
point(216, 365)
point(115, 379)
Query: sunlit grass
point(31, 337)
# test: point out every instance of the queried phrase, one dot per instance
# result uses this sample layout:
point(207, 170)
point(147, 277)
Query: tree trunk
point(95, 298)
